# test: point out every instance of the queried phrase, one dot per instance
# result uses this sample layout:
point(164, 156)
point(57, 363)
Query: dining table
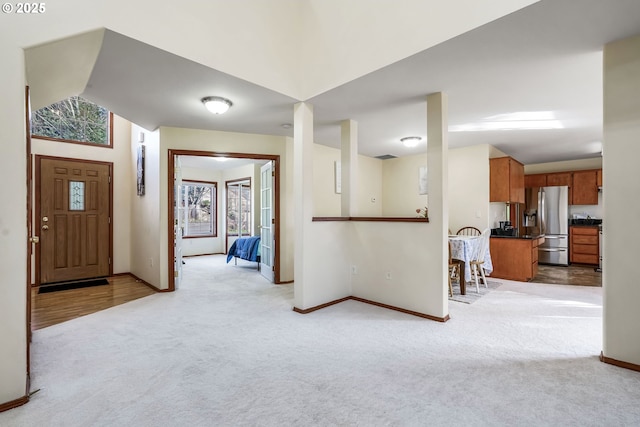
point(462, 251)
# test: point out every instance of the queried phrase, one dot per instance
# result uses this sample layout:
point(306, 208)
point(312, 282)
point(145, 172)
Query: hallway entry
point(254, 179)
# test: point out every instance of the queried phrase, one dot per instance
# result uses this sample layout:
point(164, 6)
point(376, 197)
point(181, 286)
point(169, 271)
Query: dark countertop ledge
point(589, 222)
point(517, 236)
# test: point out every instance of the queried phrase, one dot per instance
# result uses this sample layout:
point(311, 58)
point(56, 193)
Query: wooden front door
point(74, 223)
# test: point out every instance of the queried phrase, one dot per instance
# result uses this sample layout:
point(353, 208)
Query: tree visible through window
point(239, 208)
point(73, 120)
point(198, 209)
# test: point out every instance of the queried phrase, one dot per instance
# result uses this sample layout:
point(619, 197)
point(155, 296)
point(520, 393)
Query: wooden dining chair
point(454, 271)
point(469, 231)
point(477, 260)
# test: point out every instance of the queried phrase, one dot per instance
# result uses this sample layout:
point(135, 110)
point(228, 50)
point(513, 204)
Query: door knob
point(45, 227)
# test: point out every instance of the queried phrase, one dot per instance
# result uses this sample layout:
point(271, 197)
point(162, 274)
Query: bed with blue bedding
point(247, 248)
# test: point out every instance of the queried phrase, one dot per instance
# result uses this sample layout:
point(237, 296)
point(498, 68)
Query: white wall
point(13, 223)
point(146, 227)
point(326, 200)
point(400, 195)
point(403, 250)
point(469, 189)
point(287, 209)
point(621, 178)
point(123, 182)
point(370, 196)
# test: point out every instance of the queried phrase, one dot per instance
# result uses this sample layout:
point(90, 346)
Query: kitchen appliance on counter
point(547, 213)
point(505, 229)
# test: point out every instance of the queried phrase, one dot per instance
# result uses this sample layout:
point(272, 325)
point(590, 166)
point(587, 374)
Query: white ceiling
point(544, 58)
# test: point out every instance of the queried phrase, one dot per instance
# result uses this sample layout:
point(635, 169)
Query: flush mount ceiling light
point(217, 104)
point(410, 141)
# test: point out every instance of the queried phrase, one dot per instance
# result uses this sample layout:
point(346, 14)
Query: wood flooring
point(55, 307)
point(579, 275)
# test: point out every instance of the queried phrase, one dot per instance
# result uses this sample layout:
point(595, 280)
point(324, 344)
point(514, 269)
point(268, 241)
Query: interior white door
point(178, 226)
point(266, 221)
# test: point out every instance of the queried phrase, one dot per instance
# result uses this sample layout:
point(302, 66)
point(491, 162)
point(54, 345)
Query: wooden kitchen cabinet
point(583, 185)
point(506, 180)
point(514, 258)
point(585, 188)
point(558, 179)
point(548, 179)
point(536, 180)
point(584, 245)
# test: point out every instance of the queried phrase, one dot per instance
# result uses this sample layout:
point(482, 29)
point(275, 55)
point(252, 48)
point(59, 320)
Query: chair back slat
point(469, 231)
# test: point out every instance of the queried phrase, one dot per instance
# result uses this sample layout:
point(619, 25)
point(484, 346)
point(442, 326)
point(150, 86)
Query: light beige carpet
point(471, 294)
point(227, 350)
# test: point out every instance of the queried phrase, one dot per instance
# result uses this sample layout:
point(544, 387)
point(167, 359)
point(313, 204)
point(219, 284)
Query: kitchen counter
point(515, 257)
point(589, 222)
point(519, 236)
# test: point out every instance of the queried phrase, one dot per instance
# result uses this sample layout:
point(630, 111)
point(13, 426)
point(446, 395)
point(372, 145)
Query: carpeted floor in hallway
point(227, 350)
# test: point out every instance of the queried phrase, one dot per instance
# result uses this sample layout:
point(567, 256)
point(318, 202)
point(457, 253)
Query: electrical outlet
point(354, 269)
point(150, 262)
point(388, 275)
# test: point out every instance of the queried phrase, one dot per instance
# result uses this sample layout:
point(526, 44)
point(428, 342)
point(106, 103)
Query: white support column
point(13, 228)
point(349, 162)
point(302, 192)
point(621, 180)
point(438, 181)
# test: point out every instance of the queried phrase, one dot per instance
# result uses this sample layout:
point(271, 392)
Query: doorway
point(274, 206)
point(73, 216)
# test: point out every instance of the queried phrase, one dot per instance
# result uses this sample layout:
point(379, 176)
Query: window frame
point(109, 143)
point(214, 209)
point(239, 182)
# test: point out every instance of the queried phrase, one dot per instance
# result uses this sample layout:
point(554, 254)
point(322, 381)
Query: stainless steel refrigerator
point(547, 212)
